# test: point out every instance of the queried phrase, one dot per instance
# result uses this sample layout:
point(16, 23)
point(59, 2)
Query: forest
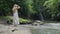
point(32, 9)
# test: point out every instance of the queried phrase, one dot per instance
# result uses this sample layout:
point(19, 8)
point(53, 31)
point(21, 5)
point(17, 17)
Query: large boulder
point(37, 22)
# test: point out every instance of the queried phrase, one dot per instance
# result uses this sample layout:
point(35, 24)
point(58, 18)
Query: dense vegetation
point(32, 9)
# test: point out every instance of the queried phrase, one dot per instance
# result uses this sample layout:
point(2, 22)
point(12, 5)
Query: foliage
point(52, 6)
point(24, 21)
point(41, 9)
point(10, 19)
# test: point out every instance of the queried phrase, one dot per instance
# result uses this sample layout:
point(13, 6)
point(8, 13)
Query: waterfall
point(41, 17)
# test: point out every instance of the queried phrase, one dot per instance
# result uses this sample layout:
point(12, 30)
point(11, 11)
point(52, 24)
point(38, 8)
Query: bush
point(24, 21)
point(9, 20)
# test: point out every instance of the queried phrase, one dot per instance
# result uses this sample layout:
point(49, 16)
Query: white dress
point(15, 18)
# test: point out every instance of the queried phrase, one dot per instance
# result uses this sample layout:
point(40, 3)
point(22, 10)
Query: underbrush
point(9, 20)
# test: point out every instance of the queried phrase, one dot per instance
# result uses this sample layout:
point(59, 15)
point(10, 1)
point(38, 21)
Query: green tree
point(39, 8)
point(52, 6)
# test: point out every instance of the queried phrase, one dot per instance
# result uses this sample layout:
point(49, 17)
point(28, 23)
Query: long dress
point(15, 18)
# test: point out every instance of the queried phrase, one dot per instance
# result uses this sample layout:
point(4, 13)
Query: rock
point(8, 30)
point(37, 22)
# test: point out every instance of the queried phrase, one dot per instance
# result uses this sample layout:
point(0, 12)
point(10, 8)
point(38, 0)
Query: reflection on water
point(48, 32)
point(45, 31)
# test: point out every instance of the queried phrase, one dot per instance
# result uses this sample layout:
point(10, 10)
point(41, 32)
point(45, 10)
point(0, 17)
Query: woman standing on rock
point(15, 16)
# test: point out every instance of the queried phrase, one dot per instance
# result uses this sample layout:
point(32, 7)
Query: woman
point(15, 16)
